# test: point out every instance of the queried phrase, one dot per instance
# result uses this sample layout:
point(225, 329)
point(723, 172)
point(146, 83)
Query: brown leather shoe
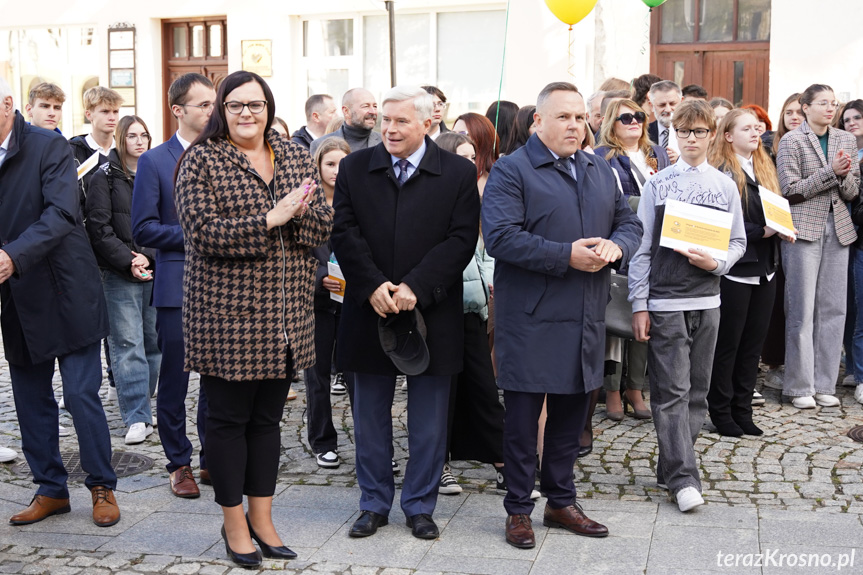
point(572, 518)
point(40, 507)
point(519, 532)
point(105, 510)
point(205, 477)
point(183, 483)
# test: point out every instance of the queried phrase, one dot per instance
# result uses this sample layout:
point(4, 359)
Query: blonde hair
point(46, 91)
point(608, 138)
point(723, 156)
point(99, 95)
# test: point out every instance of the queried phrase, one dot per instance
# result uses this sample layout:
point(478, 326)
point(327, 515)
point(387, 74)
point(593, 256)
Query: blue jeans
point(133, 344)
point(854, 320)
point(37, 418)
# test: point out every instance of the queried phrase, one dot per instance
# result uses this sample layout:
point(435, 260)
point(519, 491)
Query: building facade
point(748, 50)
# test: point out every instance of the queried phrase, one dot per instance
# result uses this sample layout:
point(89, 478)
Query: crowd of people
point(451, 263)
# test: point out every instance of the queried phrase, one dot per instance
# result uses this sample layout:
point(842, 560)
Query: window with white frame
point(460, 52)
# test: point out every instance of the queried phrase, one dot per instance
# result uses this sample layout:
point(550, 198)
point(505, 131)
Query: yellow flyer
point(777, 212)
point(686, 226)
point(335, 273)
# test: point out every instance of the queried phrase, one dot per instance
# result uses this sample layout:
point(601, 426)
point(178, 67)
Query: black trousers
point(566, 417)
point(475, 417)
point(773, 350)
point(743, 325)
point(243, 439)
point(321, 431)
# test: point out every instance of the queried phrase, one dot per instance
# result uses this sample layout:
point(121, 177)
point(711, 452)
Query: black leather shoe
point(423, 526)
point(246, 560)
point(268, 551)
point(367, 524)
point(585, 450)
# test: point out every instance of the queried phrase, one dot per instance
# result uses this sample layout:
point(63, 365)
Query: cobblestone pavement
point(803, 463)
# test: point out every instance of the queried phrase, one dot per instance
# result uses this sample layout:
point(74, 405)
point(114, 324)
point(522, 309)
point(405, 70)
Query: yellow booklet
point(335, 273)
point(777, 212)
point(686, 226)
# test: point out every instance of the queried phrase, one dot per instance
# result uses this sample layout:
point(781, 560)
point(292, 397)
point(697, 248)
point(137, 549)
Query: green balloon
point(653, 3)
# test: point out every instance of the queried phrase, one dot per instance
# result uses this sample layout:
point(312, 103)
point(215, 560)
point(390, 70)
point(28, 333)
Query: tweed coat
point(247, 299)
point(808, 181)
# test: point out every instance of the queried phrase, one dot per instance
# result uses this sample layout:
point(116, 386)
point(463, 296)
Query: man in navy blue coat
point(554, 220)
point(155, 225)
point(53, 308)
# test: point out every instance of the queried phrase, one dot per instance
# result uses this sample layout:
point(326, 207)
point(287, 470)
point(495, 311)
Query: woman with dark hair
point(633, 158)
point(247, 205)
point(523, 127)
point(747, 290)
point(502, 115)
point(480, 129)
point(328, 313)
point(851, 120)
point(765, 127)
point(281, 127)
point(818, 173)
point(773, 352)
point(127, 278)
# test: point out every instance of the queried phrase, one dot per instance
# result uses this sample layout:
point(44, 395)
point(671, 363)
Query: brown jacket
point(247, 301)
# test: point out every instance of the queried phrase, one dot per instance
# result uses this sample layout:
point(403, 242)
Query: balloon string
point(502, 61)
point(569, 66)
point(646, 32)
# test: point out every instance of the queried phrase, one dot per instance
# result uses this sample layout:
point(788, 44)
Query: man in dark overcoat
point(53, 308)
point(554, 220)
point(406, 224)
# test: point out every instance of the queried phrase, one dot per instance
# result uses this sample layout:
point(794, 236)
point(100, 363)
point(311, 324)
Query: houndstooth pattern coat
point(808, 181)
point(247, 303)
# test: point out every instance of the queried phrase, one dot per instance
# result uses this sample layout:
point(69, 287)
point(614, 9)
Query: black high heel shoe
point(246, 560)
point(280, 552)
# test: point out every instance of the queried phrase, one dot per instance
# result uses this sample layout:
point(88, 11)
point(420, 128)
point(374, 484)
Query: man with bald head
point(360, 111)
point(555, 222)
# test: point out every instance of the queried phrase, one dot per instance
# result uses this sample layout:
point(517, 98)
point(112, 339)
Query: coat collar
point(19, 125)
point(382, 160)
point(175, 147)
point(832, 140)
point(539, 155)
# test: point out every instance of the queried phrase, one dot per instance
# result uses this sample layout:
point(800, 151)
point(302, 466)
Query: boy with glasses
point(675, 300)
point(441, 106)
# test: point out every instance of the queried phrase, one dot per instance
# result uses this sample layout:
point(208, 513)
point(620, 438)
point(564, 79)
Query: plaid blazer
point(808, 181)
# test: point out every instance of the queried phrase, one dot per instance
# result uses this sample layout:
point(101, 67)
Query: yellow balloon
point(570, 11)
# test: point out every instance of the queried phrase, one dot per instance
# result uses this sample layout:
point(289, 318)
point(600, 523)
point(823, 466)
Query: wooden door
point(192, 45)
point(739, 76)
point(683, 67)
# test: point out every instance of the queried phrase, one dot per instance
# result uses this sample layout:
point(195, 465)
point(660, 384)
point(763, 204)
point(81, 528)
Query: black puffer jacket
point(109, 219)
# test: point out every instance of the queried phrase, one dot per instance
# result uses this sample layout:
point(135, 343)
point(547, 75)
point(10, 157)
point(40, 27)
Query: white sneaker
point(804, 402)
point(7, 455)
point(64, 432)
point(848, 381)
point(826, 400)
point(773, 378)
point(328, 460)
point(689, 498)
point(534, 495)
point(112, 393)
point(448, 484)
point(338, 386)
point(757, 398)
point(138, 432)
point(858, 393)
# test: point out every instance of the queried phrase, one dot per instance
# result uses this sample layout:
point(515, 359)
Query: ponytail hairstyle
point(723, 157)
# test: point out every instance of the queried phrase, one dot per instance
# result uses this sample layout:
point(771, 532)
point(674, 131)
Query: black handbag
point(618, 312)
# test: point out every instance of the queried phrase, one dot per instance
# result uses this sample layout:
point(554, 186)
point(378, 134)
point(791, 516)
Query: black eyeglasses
point(700, 133)
point(255, 106)
point(627, 118)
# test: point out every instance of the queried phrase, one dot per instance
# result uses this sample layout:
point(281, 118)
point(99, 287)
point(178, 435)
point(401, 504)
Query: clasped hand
point(391, 298)
point(139, 267)
point(593, 254)
point(292, 205)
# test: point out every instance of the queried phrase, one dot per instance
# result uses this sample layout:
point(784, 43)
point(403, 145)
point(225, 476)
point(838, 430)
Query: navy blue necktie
point(403, 171)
